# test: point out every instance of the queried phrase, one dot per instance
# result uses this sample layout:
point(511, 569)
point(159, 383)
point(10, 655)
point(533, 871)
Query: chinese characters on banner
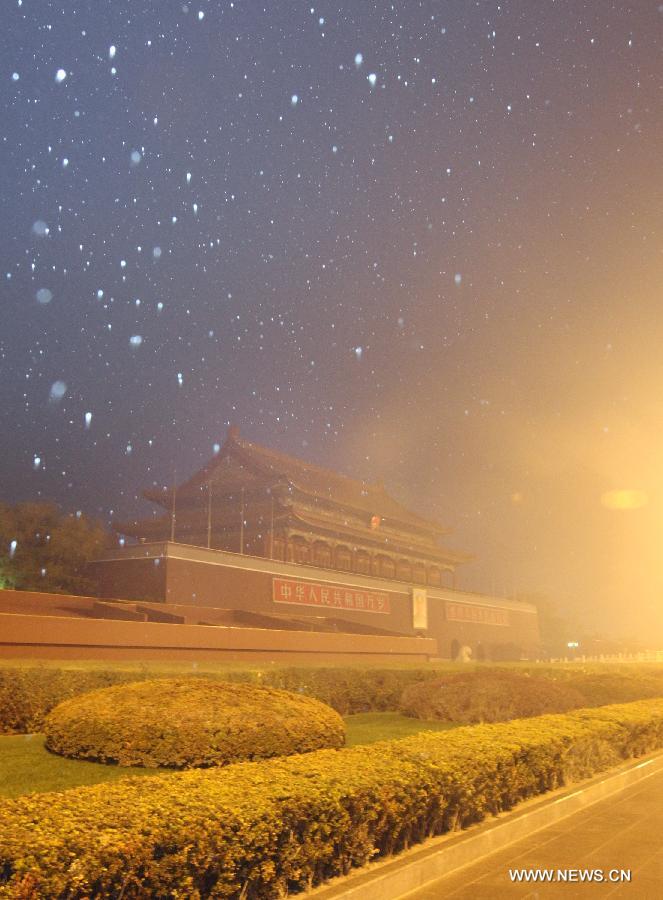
point(419, 608)
point(330, 596)
point(481, 615)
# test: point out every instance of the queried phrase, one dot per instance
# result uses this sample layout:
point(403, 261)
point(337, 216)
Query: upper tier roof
point(314, 481)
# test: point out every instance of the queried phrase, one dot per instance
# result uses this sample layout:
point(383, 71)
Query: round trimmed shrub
point(601, 688)
point(190, 722)
point(493, 695)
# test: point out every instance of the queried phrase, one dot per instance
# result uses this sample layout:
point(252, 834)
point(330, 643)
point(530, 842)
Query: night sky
point(416, 241)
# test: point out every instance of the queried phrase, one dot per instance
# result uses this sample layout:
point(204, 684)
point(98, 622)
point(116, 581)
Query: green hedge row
point(599, 688)
point(28, 695)
point(260, 830)
point(349, 690)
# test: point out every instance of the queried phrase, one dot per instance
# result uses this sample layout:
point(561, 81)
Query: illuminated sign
point(329, 596)
point(480, 615)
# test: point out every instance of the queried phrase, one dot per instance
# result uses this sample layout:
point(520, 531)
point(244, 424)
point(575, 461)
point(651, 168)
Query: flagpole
point(172, 512)
point(209, 514)
point(241, 525)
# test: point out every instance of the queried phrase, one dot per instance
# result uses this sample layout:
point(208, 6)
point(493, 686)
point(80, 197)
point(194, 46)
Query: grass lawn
point(367, 728)
point(26, 767)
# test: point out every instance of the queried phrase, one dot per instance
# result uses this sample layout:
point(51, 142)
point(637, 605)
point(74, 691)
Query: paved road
point(622, 832)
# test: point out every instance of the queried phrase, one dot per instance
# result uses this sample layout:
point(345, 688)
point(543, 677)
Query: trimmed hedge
point(597, 689)
point(258, 830)
point(28, 695)
point(350, 690)
point(190, 722)
point(495, 695)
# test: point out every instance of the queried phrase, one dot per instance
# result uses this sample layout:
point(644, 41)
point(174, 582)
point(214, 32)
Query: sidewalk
point(613, 821)
point(624, 831)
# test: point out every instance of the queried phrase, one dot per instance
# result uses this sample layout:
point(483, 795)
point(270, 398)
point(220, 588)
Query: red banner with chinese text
point(329, 596)
point(481, 615)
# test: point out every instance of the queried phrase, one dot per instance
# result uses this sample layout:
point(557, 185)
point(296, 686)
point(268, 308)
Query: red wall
point(191, 575)
point(58, 636)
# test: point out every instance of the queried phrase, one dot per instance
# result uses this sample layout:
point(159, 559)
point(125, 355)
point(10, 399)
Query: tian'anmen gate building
point(258, 502)
point(281, 541)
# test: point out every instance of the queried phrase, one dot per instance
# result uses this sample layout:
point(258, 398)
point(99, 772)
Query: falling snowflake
point(58, 390)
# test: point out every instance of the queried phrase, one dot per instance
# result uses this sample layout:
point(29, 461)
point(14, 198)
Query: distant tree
point(554, 629)
point(43, 550)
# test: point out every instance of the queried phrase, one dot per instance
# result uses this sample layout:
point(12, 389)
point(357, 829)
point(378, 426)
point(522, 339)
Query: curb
point(416, 868)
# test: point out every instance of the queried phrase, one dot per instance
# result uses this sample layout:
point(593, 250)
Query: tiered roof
point(315, 497)
point(261, 465)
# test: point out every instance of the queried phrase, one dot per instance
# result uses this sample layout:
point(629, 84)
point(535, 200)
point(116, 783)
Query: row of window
point(319, 553)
